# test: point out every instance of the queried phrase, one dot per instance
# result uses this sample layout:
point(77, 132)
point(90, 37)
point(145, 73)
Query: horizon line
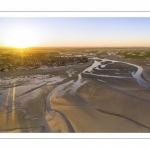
point(77, 47)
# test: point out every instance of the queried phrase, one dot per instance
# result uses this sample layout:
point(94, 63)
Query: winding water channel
point(72, 85)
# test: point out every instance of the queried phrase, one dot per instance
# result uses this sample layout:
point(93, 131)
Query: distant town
point(21, 60)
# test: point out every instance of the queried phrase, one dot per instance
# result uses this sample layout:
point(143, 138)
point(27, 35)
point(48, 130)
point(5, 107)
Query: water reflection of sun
point(21, 38)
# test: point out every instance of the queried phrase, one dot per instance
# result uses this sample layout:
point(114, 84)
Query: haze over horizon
point(74, 32)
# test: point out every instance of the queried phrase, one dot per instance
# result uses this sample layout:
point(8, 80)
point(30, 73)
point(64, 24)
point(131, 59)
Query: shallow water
point(72, 86)
point(137, 75)
point(96, 65)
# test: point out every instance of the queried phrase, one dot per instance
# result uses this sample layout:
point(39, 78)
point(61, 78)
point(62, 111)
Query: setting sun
point(21, 38)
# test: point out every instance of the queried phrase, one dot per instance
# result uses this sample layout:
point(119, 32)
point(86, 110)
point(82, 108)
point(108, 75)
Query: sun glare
point(21, 38)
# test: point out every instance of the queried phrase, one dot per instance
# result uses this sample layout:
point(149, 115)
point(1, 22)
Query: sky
point(75, 32)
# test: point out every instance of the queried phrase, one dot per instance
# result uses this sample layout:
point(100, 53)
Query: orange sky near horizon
point(74, 32)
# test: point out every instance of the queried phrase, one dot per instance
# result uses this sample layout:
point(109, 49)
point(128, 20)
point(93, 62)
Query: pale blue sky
point(94, 32)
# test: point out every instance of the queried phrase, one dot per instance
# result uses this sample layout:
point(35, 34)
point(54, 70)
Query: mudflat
point(102, 95)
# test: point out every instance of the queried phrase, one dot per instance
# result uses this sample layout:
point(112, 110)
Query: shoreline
point(44, 71)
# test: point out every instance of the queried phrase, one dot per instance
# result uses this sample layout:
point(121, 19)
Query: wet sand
point(103, 98)
point(23, 100)
point(116, 105)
